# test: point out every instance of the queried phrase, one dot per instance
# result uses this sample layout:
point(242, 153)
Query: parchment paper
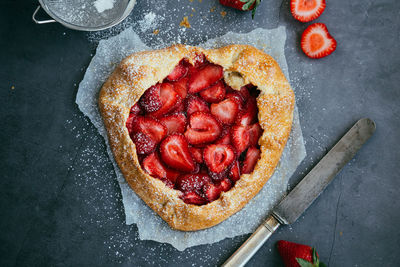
point(150, 226)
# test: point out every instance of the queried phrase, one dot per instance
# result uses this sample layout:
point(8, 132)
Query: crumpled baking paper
point(150, 226)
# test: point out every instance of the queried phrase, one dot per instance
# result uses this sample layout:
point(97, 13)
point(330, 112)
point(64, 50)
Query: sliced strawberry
point(172, 175)
point(204, 78)
point(237, 97)
point(240, 138)
point(199, 60)
point(252, 156)
point(307, 10)
point(181, 87)
point(193, 198)
point(169, 99)
point(197, 154)
point(218, 157)
point(316, 41)
point(211, 192)
point(195, 104)
point(135, 109)
point(181, 107)
point(225, 111)
point(129, 123)
point(192, 182)
point(225, 185)
point(178, 72)
point(151, 99)
point(149, 126)
point(255, 133)
point(153, 166)
point(143, 143)
point(244, 92)
point(248, 115)
point(234, 173)
point(175, 153)
point(217, 177)
point(225, 138)
point(214, 93)
point(175, 123)
point(202, 128)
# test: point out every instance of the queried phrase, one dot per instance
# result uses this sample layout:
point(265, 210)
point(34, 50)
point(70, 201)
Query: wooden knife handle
point(253, 243)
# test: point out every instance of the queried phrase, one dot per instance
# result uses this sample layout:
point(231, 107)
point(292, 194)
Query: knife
point(310, 187)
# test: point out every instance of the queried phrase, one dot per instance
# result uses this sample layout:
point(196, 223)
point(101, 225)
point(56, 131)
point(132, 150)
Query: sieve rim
point(69, 25)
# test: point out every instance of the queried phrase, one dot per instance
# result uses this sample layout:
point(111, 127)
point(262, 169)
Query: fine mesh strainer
point(85, 15)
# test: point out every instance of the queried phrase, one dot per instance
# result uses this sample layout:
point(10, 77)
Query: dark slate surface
point(61, 206)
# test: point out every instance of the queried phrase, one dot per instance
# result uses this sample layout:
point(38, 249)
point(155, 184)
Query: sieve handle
point(40, 21)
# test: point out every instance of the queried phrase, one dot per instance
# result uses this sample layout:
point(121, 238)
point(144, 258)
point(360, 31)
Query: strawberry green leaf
point(248, 5)
point(304, 263)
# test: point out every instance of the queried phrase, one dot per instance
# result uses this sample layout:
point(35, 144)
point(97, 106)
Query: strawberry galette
point(197, 133)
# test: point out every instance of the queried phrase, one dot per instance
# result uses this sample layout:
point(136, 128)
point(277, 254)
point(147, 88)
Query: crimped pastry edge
point(245, 64)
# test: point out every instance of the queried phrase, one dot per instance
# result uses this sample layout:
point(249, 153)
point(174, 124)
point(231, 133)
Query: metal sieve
point(85, 15)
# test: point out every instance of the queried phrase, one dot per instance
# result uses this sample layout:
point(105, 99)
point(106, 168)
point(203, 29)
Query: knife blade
point(309, 188)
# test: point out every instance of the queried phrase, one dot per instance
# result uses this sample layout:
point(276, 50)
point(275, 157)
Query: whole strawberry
point(298, 255)
point(244, 5)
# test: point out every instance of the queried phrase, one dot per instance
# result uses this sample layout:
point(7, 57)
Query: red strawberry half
point(234, 173)
point(149, 126)
point(194, 198)
point(307, 10)
point(218, 157)
point(175, 123)
point(197, 154)
point(178, 72)
point(151, 100)
point(298, 255)
point(175, 153)
point(154, 167)
point(214, 93)
point(211, 192)
point(181, 87)
point(225, 111)
point(169, 99)
point(143, 143)
point(316, 42)
point(240, 138)
point(255, 133)
point(243, 5)
point(202, 128)
point(192, 182)
point(252, 156)
point(195, 103)
point(204, 78)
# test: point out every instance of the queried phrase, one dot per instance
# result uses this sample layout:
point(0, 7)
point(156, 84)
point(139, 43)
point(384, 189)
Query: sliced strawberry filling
point(218, 157)
point(175, 152)
point(204, 78)
point(195, 133)
point(202, 128)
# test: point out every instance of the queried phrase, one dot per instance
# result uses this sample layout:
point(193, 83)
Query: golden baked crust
point(242, 64)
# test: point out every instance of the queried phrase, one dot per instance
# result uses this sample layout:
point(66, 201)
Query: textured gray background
point(60, 203)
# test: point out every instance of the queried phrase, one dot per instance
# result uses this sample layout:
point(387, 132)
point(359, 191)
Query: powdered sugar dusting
point(102, 5)
point(151, 226)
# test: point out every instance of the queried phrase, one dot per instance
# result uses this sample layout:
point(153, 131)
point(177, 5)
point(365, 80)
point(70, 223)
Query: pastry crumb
point(194, 10)
point(200, 1)
point(12, 87)
point(340, 233)
point(156, 31)
point(185, 22)
point(212, 9)
point(223, 14)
